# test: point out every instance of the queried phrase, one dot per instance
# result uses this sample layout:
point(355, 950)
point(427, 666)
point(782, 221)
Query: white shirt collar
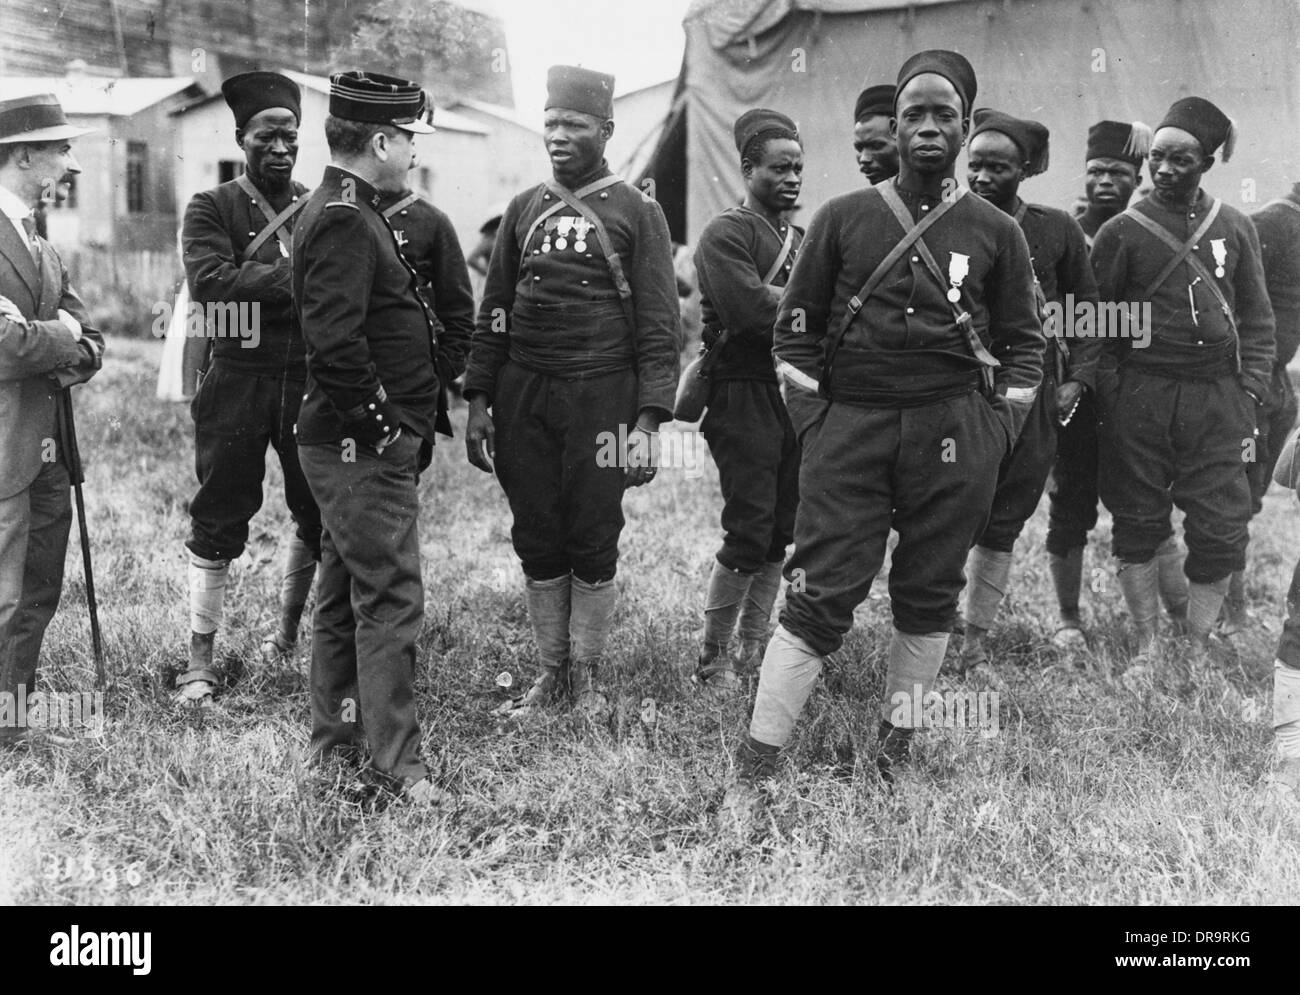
point(13, 206)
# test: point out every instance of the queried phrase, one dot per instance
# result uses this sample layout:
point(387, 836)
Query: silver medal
point(954, 294)
point(579, 246)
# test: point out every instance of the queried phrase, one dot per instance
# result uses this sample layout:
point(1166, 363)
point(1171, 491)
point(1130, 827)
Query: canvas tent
point(1066, 63)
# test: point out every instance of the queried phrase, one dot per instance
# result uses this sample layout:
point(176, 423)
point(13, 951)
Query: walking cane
point(73, 456)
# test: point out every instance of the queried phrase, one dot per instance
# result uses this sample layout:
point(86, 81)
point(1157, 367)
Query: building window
point(228, 169)
point(137, 157)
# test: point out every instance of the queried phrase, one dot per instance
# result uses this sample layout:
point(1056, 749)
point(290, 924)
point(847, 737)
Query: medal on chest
point(958, 268)
point(581, 226)
point(562, 228)
point(1219, 247)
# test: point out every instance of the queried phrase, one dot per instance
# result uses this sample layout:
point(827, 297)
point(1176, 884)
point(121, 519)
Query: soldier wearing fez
point(46, 345)
point(1004, 151)
point(912, 349)
point(574, 366)
point(366, 429)
point(873, 143)
point(743, 258)
point(235, 241)
point(1113, 162)
point(1183, 413)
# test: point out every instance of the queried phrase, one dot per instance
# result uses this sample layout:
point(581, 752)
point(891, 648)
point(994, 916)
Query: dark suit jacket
point(38, 358)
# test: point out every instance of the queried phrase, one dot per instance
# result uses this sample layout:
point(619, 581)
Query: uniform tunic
point(1060, 260)
point(1181, 420)
point(249, 397)
point(904, 437)
point(369, 341)
point(428, 242)
point(746, 425)
point(564, 372)
point(1278, 226)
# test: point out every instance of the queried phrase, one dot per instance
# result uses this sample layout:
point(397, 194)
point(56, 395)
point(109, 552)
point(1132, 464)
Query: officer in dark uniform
point(1183, 413)
point(1004, 151)
point(1113, 162)
point(873, 142)
point(576, 353)
point(366, 428)
point(907, 383)
point(235, 240)
point(743, 258)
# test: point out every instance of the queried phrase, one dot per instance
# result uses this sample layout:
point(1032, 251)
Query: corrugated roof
point(496, 110)
point(97, 95)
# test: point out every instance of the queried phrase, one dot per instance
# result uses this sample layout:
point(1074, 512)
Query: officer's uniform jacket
point(368, 334)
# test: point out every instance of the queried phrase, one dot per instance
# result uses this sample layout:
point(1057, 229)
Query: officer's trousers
point(558, 446)
point(928, 472)
point(753, 443)
point(1173, 442)
point(369, 602)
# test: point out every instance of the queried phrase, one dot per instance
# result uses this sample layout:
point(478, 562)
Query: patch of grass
point(1090, 792)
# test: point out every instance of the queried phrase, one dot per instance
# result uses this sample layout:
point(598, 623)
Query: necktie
point(29, 226)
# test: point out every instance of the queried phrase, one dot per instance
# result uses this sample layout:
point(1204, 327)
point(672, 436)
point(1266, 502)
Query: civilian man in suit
point(46, 346)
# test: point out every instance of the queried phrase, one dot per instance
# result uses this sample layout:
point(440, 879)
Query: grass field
point(1091, 791)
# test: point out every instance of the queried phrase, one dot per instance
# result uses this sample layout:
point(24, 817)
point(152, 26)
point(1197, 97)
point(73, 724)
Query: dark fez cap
point(578, 89)
point(1206, 123)
point(952, 66)
point(251, 93)
point(753, 123)
point(877, 99)
point(1030, 136)
point(378, 99)
point(1127, 141)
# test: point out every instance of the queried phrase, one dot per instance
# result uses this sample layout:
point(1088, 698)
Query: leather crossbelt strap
point(574, 201)
point(401, 205)
point(1183, 253)
point(913, 234)
point(276, 224)
point(1182, 250)
point(712, 356)
point(960, 315)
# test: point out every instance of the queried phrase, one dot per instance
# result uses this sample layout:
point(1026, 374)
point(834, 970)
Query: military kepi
point(1204, 122)
point(251, 93)
point(753, 123)
point(1127, 141)
point(1030, 136)
point(378, 99)
point(37, 118)
point(878, 99)
point(952, 66)
point(578, 89)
